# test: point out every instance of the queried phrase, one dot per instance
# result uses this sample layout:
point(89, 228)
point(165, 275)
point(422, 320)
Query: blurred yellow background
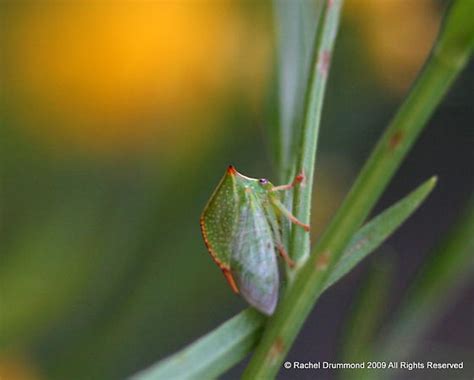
point(132, 76)
point(138, 76)
point(118, 119)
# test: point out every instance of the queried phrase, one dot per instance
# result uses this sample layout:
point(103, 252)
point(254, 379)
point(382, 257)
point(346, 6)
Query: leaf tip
point(432, 182)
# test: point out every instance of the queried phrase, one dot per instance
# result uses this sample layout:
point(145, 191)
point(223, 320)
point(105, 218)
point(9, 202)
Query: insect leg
point(273, 221)
point(298, 179)
point(288, 214)
point(284, 255)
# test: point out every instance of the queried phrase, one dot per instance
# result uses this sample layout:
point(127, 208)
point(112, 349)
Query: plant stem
point(299, 242)
point(296, 28)
point(447, 60)
point(211, 355)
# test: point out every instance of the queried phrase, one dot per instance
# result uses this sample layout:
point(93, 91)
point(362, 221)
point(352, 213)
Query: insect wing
point(253, 259)
point(218, 221)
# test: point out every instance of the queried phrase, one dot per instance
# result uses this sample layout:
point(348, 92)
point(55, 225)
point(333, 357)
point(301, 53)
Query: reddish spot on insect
point(206, 241)
point(324, 61)
point(322, 261)
point(231, 170)
point(230, 280)
point(219, 263)
point(395, 140)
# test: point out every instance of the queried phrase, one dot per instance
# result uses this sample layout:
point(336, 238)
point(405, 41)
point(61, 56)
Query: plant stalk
point(299, 241)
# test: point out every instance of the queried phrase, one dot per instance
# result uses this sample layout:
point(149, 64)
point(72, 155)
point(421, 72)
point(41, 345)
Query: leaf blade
point(375, 232)
point(297, 23)
point(213, 353)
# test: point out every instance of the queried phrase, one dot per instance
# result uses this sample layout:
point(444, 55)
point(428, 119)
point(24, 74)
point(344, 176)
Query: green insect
point(242, 231)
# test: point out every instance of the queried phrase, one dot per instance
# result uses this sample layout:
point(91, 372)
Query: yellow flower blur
point(15, 366)
point(399, 35)
point(116, 77)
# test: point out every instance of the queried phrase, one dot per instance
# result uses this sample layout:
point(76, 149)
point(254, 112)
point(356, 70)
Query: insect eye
point(263, 181)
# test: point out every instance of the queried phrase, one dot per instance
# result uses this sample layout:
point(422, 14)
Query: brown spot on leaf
point(277, 348)
point(324, 60)
point(322, 261)
point(395, 140)
point(231, 170)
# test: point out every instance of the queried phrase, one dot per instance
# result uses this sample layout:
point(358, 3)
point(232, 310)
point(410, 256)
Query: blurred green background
point(118, 120)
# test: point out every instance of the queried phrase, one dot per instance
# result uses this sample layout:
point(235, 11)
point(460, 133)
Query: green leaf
point(299, 247)
point(374, 233)
point(299, 92)
point(296, 24)
point(212, 354)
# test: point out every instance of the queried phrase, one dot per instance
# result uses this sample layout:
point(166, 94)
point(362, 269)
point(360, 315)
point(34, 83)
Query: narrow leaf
point(322, 52)
point(374, 233)
point(212, 354)
point(296, 25)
